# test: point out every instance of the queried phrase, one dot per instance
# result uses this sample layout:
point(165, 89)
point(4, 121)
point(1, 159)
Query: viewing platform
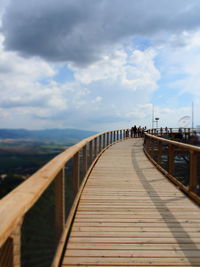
point(107, 201)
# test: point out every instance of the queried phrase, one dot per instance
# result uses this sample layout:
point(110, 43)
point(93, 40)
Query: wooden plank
point(136, 240)
point(137, 220)
point(137, 224)
point(130, 234)
point(134, 228)
point(136, 246)
point(130, 253)
point(131, 261)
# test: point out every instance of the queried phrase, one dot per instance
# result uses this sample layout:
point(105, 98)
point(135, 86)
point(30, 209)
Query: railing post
point(146, 142)
point(189, 133)
point(10, 252)
point(95, 147)
point(193, 181)
point(150, 146)
point(76, 173)
point(107, 139)
point(184, 134)
point(124, 134)
point(7, 254)
point(114, 136)
point(100, 140)
point(171, 159)
point(60, 203)
point(104, 140)
point(121, 135)
point(84, 160)
point(17, 245)
point(111, 137)
point(90, 152)
point(117, 135)
point(159, 152)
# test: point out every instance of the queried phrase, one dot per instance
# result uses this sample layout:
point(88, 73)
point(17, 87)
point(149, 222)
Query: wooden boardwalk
point(131, 215)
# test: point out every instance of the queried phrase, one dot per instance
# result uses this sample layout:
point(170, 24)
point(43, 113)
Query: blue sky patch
point(64, 74)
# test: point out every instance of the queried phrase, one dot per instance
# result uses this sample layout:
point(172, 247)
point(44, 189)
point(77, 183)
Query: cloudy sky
point(98, 64)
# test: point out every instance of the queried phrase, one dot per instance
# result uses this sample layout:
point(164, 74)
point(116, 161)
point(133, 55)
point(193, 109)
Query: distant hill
point(49, 135)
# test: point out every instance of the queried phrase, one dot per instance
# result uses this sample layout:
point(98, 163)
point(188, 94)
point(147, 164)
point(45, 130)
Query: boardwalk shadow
point(136, 152)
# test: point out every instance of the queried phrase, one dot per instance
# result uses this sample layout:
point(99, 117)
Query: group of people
point(136, 131)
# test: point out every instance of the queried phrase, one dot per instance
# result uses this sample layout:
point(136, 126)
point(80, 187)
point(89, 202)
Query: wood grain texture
point(129, 214)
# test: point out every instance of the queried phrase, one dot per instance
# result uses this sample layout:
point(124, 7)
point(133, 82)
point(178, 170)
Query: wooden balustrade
point(187, 132)
point(180, 162)
point(22, 202)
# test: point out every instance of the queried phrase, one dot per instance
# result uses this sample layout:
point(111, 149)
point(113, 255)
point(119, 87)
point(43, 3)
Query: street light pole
point(156, 120)
point(152, 116)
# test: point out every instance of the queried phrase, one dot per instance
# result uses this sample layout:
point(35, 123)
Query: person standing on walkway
point(139, 131)
point(135, 131)
point(132, 132)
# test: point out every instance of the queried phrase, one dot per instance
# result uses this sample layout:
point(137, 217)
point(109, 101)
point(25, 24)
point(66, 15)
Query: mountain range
point(48, 135)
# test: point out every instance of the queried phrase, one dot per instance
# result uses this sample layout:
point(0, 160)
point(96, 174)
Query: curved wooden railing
point(178, 161)
point(35, 218)
point(172, 131)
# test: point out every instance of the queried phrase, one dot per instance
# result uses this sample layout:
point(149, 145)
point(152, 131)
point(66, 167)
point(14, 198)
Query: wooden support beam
point(100, 143)
point(159, 152)
point(171, 159)
point(104, 140)
point(76, 173)
point(85, 167)
point(193, 181)
point(107, 139)
point(60, 203)
point(6, 254)
point(124, 131)
point(111, 137)
point(90, 152)
point(10, 252)
point(95, 147)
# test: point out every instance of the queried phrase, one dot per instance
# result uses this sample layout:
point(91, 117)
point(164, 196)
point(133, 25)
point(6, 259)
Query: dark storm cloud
point(79, 31)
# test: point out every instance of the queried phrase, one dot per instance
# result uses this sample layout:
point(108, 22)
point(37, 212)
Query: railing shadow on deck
point(178, 161)
point(35, 218)
point(163, 204)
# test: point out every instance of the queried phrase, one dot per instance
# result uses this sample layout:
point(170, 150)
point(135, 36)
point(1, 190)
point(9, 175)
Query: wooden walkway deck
point(131, 215)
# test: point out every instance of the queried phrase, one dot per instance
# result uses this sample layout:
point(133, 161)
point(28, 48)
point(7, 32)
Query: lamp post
point(156, 120)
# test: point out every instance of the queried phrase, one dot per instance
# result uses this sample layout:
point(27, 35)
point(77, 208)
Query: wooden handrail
point(183, 145)
point(153, 146)
point(14, 206)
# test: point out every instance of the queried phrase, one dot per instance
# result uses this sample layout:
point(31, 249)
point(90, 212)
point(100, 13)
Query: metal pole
point(192, 115)
point(152, 116)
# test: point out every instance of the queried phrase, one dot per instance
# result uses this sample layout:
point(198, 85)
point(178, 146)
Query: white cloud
point(134, 70)
point(108, 67)
point(183, 60)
